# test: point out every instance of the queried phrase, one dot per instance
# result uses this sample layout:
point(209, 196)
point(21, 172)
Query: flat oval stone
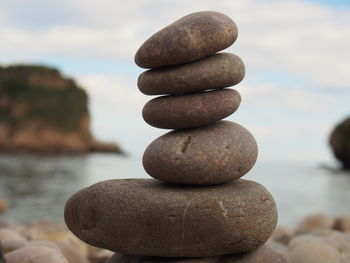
point(191, 110)
point(190, 38)
point(149, 217)
point(214, 72)
point(264, 254)
point(212, 154)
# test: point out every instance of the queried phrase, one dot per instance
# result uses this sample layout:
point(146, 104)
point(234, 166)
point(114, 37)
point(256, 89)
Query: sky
point(296, 54)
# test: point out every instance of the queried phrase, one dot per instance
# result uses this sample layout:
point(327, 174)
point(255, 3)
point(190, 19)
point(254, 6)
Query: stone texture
point(190, 38)
point(148, 217)
point(213, 154)
point(265, 254)
point(191, 110)
point(214, 72)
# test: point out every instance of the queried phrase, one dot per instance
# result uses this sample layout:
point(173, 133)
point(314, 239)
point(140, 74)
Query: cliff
point(43, 112)
point(340, 142)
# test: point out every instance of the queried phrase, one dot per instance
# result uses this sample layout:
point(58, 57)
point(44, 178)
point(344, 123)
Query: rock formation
point(43, 112)
point(198, 210)
point(340, 143)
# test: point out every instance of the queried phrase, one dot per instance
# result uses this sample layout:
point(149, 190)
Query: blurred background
point(295, 92)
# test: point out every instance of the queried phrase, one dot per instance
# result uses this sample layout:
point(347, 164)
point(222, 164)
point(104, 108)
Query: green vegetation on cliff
point(43, 112)
point(40, 93)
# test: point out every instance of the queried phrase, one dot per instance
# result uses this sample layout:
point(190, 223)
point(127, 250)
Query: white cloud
point(282, 38)
point(294, 37)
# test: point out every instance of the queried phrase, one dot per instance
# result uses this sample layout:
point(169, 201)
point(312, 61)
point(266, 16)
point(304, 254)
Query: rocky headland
point(43, 112)
point(340, 143)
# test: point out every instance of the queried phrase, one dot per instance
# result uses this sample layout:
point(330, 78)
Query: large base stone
point(148, 217)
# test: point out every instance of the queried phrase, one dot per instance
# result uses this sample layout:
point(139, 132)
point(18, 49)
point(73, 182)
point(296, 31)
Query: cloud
point(296, 55)
point(303, 39)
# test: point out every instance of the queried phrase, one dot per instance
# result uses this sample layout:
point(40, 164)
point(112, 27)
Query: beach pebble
point(11, 239)
point(282, 235)
point(265, 254)
point(337, 240)
point(310, 249)
point(342, 223)
point(70, 253)
point(212, 154)
point(157, 219)
point(214, 72)
point(101, 256)
point(54, 232)
point(190, 38)
point(35, 254)
point(315, 222)
point(191, 110)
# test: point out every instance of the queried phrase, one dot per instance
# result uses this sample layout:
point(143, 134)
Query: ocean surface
point(36, 187)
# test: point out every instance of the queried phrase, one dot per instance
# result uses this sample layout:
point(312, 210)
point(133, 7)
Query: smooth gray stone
point(148, 217)
point(212, 154)
point(191, 110)
point(190, 38)
point(214, 72)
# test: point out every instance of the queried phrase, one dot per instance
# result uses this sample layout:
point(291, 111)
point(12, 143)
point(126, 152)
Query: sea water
point(37, 187)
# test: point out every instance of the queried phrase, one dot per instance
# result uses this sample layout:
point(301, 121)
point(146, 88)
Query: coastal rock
point(214, 72)
point(264, 254)
point(310, 249)
point(190, 38)
point(191, 110)
point(43, 112)
point(35, 254)
point(212, 154)
point(166, 220)
point(340, 143)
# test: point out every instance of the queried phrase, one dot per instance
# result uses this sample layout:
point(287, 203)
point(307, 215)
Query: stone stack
point(198, 210)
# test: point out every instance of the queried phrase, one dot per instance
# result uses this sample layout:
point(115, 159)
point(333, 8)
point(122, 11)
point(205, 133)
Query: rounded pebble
point(212, 154)
point(214, 72)
point(190, 38)
point(148, 217)
point(191, 110)
point(310, 249)
point(35, 254)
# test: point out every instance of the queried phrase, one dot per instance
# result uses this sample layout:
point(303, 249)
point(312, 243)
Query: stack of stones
point(198, 210)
